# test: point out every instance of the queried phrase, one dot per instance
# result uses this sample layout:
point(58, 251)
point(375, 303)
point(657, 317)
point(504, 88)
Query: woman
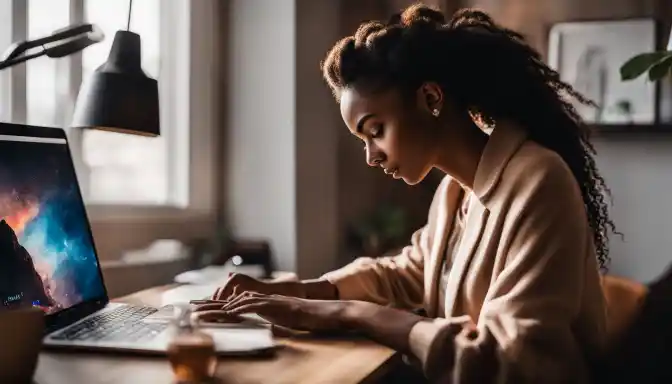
point(507, 266)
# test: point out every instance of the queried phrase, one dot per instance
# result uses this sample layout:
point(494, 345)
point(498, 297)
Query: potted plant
point(380, 229)
point(657, 64)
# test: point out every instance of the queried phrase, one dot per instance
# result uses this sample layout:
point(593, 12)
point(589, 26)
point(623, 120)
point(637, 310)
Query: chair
point(250, 252)
point(624, 301)
point(640, 330)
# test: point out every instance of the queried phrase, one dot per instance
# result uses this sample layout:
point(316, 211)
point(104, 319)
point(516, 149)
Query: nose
point(374, 157)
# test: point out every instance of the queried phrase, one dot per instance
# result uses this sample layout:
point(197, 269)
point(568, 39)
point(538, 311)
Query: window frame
point(191, 69)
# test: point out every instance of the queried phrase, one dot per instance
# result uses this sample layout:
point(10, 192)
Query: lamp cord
point(130, 7)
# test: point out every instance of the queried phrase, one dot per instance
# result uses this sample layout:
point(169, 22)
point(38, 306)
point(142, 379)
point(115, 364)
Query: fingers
point(236, 284)
point(225, 292)
point(212, 305)
point(236, 281)
point(221, 292)
point(222, 317)
point(257, 306)
point(209, 307)
point(273, 309)
point(207, 301)
point(217, 317)
point(227, 289)
point(242, 298)
point(249, 304)
point(215, 296)
point(234, 293)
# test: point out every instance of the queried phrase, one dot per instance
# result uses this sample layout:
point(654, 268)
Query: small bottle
point(191, 352)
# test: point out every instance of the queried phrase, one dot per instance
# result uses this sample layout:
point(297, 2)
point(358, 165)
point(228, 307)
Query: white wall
point(261, 121)
point(281, 143)
point(639, 171)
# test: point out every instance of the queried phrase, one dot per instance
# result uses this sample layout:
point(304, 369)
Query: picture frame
point(588, 55)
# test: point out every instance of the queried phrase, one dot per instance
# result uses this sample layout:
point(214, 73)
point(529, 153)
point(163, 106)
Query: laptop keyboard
point(120, 324)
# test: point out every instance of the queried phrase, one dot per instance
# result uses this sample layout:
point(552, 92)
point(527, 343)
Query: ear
point(430, 97)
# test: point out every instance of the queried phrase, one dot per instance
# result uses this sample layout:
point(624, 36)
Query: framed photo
point(588, 55)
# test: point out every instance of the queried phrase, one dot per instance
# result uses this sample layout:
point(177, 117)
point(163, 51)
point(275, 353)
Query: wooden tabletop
point(296, 361)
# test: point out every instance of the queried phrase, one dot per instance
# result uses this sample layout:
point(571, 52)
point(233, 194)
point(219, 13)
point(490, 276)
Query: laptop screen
point(47, 257)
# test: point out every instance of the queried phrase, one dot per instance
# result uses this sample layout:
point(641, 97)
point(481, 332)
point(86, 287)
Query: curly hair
point(490, 72)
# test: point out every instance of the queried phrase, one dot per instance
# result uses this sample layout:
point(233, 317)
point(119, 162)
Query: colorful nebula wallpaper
point(47, 258)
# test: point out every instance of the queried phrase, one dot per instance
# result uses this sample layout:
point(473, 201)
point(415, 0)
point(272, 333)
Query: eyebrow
point(360, 123)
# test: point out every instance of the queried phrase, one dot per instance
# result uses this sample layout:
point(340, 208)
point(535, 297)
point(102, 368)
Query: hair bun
point(470, 17)
point(365, 31)
point(421, 13)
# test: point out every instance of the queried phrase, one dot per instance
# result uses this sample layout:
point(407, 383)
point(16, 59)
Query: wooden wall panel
point(535, 18)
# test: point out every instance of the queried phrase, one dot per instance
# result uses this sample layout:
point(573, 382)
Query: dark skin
point(406, 137)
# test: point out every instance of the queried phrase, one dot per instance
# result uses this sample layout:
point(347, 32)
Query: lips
point(391, 171)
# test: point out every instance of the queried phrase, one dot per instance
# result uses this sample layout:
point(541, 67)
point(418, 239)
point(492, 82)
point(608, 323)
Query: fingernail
point(230, 274)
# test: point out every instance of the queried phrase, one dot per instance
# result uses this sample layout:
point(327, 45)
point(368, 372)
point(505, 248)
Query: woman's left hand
point(285, 311)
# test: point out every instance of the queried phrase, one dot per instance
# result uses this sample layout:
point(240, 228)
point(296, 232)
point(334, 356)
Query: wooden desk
point(297, 361)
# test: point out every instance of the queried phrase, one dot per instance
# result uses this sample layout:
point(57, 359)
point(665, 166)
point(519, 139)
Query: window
point(44, 17)
point(124, 168)
point(137, 189)
point(5, 41)
point(116, 169)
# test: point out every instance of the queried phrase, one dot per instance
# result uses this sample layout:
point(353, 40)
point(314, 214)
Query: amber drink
point(191, 352)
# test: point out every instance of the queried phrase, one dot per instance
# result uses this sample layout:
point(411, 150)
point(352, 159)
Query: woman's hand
point(285, 311)
point(239, 283)
point(311, 289)
point(386, 325)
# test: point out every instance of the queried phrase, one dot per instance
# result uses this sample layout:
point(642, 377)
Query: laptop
point(48, 258)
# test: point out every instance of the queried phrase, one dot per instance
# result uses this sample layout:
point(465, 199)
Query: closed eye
point(377, 131)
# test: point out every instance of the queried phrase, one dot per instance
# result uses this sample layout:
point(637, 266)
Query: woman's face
point(399, 136)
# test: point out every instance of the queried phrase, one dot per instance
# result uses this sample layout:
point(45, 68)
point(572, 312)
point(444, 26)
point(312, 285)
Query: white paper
point(240, 339)
point(186, 293)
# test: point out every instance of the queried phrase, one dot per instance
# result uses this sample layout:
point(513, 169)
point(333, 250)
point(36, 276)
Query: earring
point(435, 112)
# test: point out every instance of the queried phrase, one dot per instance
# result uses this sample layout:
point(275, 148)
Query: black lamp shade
point(119, 96)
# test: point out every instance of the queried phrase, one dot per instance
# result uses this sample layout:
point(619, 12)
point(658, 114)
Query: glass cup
point(191, 351)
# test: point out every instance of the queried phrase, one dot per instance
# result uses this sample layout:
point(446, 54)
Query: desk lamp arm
point(61, 43)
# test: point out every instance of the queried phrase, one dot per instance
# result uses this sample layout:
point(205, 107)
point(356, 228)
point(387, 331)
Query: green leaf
point(661, 68)
point(639, 64)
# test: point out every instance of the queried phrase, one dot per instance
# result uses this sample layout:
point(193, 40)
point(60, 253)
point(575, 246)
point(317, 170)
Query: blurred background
point(254, 159)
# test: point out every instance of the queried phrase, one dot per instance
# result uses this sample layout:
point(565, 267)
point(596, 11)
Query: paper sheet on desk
point(186, 293)
point(239, 340)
